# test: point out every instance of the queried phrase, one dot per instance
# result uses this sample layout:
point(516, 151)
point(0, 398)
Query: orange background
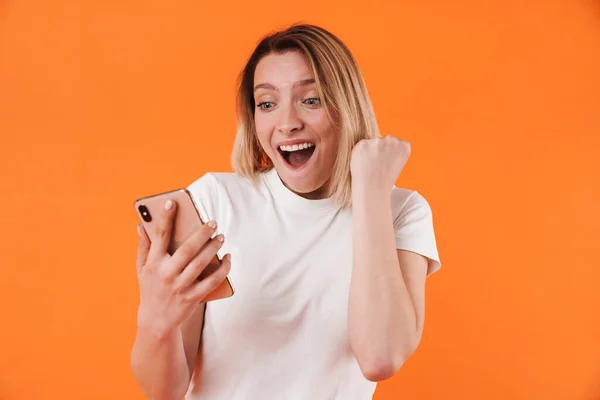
point(105, 101)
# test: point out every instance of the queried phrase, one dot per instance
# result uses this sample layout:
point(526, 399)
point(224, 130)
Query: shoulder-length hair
point(340, 85)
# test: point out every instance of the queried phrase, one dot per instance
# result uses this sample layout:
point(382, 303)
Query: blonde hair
point(341, 87)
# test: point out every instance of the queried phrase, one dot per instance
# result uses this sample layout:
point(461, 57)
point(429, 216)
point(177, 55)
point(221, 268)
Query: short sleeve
point(206, 194)
point(413, 227)
point(203, 191)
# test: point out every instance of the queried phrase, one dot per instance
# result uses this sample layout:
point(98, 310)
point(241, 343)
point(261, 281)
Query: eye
point(313, 102)
point(265, 105)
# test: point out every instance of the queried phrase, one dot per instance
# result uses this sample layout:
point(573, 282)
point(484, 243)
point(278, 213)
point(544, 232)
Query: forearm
point(159, 364)
point(382, 319)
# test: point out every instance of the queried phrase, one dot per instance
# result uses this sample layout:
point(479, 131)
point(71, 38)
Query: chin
point(301, 186)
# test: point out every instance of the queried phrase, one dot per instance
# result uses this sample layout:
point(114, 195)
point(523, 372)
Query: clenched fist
point(377, 163)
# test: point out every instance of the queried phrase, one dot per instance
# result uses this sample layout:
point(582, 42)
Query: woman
point(328, 257)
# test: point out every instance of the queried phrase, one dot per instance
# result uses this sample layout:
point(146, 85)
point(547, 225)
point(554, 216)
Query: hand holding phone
point(177, 261)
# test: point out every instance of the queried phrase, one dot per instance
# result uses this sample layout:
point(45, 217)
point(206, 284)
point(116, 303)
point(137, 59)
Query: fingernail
point(212, 224)
point(138, 229)
point(220, 238)
point(168, 205)
point(227, 257)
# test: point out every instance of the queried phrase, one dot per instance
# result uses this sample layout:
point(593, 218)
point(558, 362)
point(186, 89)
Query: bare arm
point(170, 315)
point(161, 362)
point(387, 291)
point(191, 334)
point(386, 306)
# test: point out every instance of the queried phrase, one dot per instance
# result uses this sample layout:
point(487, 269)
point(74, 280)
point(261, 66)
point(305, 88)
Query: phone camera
point(145, 213)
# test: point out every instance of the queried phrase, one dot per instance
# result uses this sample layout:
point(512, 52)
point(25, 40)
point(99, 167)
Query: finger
point(142, 248)
point(202, 288)
point(190, 248)
point(164, 229)
point(202, 260)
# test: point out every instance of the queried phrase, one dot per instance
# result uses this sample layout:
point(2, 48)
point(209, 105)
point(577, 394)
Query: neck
point(320, 193)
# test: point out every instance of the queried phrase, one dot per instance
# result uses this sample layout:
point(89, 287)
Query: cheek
point(263, 131)
point(326, 130)
point(329, 134)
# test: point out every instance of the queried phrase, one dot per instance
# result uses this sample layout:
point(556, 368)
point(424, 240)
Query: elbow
point(380, 371)
point(379, 368)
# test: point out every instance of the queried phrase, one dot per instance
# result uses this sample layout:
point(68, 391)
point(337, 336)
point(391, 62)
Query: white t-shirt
point(284, 334)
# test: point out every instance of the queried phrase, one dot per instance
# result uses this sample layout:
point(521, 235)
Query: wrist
point(157, 334)
point(155, 330)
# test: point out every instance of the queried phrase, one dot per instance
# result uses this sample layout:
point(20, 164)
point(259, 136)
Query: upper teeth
point(295, 147)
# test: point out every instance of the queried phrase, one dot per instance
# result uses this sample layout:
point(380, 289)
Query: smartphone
point(187, 220)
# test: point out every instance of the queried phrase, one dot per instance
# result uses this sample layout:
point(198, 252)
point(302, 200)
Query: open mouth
point(297, 154)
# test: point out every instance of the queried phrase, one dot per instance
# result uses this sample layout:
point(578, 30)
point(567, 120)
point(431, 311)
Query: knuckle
point(149, 266)
point(217, 241)
point(143, 242)
point(203, 260)
point(214, 280)
point(188, 297)
point(201, 236)
point(360, 144)
point(178, 288)
point(187, 250)
point(206, 229)
point(160, 232)
point(164, 275)
point(223, 271)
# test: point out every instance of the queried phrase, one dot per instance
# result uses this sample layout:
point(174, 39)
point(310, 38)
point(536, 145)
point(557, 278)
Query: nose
point(289, 120)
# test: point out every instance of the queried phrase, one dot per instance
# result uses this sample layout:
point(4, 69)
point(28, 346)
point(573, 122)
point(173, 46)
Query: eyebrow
point(268, 86)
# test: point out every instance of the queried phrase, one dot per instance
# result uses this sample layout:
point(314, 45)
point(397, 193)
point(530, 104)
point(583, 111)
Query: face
point(292, 124)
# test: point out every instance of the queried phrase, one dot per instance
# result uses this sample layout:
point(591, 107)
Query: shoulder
point(210, 194)
point(212, 183)
point(413, 226)
point(223, 191)
point(409, 205)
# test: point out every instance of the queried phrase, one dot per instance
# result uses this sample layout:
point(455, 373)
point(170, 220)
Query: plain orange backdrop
point(102, 102)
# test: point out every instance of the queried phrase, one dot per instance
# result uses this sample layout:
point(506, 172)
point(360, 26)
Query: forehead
point(282, 69)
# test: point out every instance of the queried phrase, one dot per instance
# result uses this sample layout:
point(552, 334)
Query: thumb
point(142, 249)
